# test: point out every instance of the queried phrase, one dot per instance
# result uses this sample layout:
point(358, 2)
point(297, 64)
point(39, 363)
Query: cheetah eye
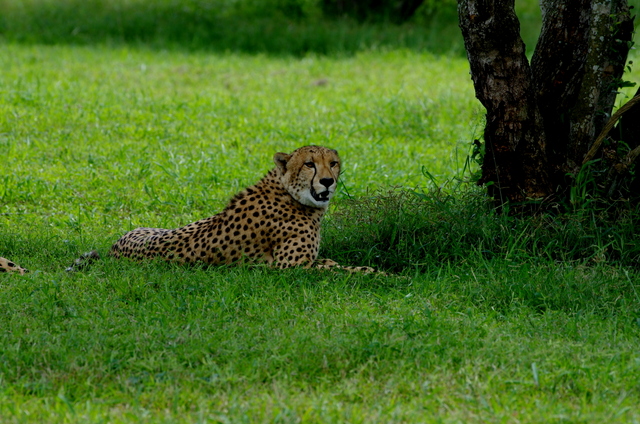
point(334, 163)
point(310, 164)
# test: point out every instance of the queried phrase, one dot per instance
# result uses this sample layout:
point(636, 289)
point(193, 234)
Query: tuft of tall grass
point(401, 229)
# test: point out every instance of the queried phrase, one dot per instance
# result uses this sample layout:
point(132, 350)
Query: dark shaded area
point(619, 157)
point(400, 230)
point(280, 28)
point(628, 129)
point(397, 11)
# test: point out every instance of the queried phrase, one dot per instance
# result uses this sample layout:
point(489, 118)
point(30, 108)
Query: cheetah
point(276, 221)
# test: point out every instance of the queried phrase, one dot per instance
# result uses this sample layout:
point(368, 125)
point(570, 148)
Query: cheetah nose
point(327, 182)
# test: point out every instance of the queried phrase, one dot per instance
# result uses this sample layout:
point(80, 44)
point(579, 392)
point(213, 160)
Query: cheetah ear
point(281, 159)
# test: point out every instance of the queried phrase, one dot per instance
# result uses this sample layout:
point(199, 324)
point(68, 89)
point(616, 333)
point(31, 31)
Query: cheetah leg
point(7, 266)
point(331, 264)
point(292, 253)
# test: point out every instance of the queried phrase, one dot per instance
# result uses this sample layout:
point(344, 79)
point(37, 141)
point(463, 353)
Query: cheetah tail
point(84, 261)
point(8, 266)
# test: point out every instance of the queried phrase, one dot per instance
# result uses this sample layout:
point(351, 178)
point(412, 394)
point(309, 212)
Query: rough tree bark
point(515, 144)
point(543, 118)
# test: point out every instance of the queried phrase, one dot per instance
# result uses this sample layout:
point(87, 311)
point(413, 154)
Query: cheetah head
point(310, 174)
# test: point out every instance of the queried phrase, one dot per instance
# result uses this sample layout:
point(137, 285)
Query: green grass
point(277, 27)
point(242, 342)
point(487, 319)
point(161, 343)
point(118, 143)
point(274, 27)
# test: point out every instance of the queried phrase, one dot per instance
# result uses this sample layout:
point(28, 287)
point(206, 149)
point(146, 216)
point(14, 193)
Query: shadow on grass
point(400, 229)
point(215, 26)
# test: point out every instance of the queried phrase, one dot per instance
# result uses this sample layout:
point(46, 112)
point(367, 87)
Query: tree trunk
point(542, 120)
point(514, 165)
point(577, 62)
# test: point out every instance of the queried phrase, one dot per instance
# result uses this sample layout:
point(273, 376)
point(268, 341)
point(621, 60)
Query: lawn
point(102, 138)
point(203, 126)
